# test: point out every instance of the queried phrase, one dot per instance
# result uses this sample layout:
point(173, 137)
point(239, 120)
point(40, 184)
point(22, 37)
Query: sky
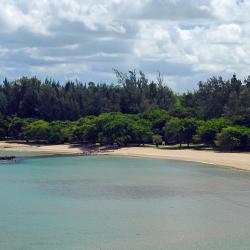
point(185, 40)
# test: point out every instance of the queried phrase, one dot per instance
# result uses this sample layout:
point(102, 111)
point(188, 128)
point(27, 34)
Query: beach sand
point(48, 149)
point(234, 160)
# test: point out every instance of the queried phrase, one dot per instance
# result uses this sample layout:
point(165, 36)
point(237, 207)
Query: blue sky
point(185, 40)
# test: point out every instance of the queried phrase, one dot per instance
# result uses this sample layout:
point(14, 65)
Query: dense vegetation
point(133, 111)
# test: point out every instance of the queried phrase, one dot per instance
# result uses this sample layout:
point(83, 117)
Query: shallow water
point(80, 203)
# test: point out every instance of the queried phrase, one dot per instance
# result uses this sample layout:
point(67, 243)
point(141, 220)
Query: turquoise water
point(78, 203)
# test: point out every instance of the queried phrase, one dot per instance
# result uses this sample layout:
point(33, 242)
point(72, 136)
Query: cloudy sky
point(185, 40)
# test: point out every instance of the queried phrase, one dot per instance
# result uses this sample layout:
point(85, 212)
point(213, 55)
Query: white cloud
point(186, 39)
point(63, 68)
point(13, 17)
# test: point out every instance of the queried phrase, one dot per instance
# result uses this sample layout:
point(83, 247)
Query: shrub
point(157, 140)
point(233, 138)
point(37, 130)
point(207, 131)
point(180, 130)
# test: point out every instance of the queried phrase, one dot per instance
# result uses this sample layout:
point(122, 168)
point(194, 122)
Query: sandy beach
point(48, 149)
point(234, 160)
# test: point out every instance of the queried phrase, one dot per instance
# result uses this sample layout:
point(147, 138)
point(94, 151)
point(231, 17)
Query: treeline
point(50, 100)
point(135, 110)
point(220, 98)
point(153, 126)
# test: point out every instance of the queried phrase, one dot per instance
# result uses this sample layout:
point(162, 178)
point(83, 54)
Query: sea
point(108, 203)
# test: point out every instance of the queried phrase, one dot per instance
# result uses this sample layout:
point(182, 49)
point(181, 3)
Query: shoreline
point(238, 161)
point(63, 149)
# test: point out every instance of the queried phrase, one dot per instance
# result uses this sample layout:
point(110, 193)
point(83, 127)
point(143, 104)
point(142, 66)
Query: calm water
point(77, 203)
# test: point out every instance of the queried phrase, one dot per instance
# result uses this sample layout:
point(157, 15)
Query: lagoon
point(78, 203)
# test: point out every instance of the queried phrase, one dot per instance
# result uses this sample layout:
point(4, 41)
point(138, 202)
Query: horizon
point(116, 81)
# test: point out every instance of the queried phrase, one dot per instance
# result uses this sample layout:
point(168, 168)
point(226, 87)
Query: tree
point(233, 138)
point(114, 128)
point(50, 100)
point(131, 111)
point(158, 119)
point(29, 101)
point(207, 131)
point(57, 132)
point(3, 102)
point(141, 132)
point(180, 130)
point(247, 82)
point(174, 131)
point(189, 129)
point(38, 130)
point(86, 130)
point(16, 127)
point(157, 140)
point(3, 127)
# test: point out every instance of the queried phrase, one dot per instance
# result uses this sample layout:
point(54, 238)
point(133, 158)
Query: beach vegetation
point(157, 140)
point(135, 110)
point(233, 138)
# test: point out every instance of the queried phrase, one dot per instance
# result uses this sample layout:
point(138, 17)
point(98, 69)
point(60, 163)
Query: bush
point(157, 140)
point(233, 138)
point(207, 131)
point(38, 130)
point(3, 127)
point(158, 119)
point(180, 130)
point(16, 127)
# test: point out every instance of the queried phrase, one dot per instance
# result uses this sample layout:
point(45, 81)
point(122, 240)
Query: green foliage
point(158, 119)
point(189, 129)
point(218, 97)
point(16, 127)
point(38, 130)
point(141, 131)
point(3, 127)
point(173, 131)
point(58, 132)
point(180, 110)
point(233, 138)
point(207, 131)
point(107, 128)
point(180, 130)
point(157, 140)
point(133, 111)
point(123, 129)
point(114, 128)
point(86, 130)
point(50, 101)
